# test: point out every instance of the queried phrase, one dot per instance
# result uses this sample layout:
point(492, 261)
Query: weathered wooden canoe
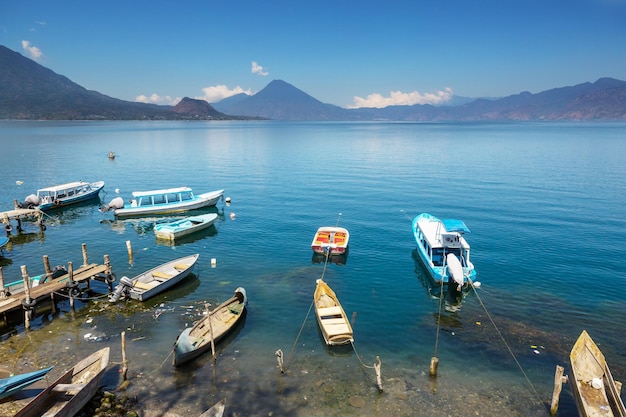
point(68, 395)
point(216, 411)
point(195, 340)
point(184, 227)
point(331, 317)
point(15, 383)
point(156, 280)
point(591, 382)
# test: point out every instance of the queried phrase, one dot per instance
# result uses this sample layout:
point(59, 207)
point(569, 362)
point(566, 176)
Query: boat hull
point(93, 192)
point(184, 227)
point(13, 384)
point(331, 317)
point(199, 201)
point(217, 324)
point(332, 239)
point(68, 395)
point(421, 226)
point(161, 278)
point(589, 368)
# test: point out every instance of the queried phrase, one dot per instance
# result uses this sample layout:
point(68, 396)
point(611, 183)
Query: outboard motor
point(122, 288)
point(116, 203)
point(29, 202)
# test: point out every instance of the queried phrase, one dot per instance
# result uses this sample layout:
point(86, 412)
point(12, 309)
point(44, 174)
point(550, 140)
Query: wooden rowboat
point(591, 382)
point(216, 411)
point(331, 317)
point(194, 341)
point(154, 281)
point(68, 395)
point(184, 227)
point(15, 383)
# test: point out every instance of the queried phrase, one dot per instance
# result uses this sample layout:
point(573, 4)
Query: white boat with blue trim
point(154, 281)
point(63, 195)
point(165, 201)
point(442, 247)
point(184, 227)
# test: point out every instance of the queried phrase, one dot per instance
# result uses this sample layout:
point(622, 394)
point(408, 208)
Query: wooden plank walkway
point(47, 289)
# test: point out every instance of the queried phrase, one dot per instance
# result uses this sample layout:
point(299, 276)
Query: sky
point(342, 52)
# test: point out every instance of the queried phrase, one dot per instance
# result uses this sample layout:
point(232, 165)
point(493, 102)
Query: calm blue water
point(545, 204)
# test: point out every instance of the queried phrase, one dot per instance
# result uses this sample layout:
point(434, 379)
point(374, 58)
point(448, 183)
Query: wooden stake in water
point(124, 360)
point(559, 379)
point(279, 358)
point(379, 380)
point(434, 363)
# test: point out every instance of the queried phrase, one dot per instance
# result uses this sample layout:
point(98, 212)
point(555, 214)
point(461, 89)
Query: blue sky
point(343, 52)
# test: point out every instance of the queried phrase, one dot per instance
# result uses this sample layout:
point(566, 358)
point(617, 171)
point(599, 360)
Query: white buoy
point(476, 284)
point(19, 182)
point(213, 262)
point(232, 215)
point(227, 200)
point(117, 191)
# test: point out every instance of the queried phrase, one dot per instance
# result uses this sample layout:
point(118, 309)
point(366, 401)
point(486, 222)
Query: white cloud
point(157, 99)
point(398, 98)
point(32, 51)
point(257, 69)
point(215, 93)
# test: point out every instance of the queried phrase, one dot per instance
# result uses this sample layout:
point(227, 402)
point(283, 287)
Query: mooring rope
point(359, 357)
point(480, 301)
point(299, 333)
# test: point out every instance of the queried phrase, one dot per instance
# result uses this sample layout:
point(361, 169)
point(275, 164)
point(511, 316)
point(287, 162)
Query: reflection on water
point(320, 258)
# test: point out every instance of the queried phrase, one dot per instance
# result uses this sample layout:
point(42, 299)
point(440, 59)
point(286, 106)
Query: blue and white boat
point(443, 249)
point(165, 201)
point(63, 195)
point(184, 227)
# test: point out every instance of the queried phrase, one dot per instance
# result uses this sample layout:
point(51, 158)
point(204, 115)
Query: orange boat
point(331, 238)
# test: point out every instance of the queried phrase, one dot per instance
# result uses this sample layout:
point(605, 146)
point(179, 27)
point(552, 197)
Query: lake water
point(544, 202)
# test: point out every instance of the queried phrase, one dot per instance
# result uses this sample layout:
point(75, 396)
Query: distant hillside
point(31, 91)
point(603, 100)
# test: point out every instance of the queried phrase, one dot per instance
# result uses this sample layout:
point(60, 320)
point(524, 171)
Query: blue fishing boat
point(15, 383)
point(63, 195)
point(184, 227)
point(165, 201)
point(442, 247)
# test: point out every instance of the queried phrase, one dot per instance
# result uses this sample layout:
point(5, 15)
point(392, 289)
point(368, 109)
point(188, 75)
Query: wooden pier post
point(85, 259)
point(108, 272)
point(2, 292)
point(124, 360)
point(71, 283)
point(7, 223)
point(434, 363)
point(27, 305)
point(129, 248)
point(46, 265)
point(559, 379)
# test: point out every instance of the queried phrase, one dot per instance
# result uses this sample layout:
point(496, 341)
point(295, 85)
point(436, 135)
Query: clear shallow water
point(544, 203)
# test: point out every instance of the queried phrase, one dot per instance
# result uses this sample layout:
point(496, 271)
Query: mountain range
point(29, 91)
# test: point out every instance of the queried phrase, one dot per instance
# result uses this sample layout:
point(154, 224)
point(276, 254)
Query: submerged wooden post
point(279, 358)
point(27, 311)
point(124, 360)
point(379, 380)
point(559, 379)
point(434, 363)
point(85, 259)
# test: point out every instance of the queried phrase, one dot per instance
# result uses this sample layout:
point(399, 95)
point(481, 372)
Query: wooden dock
point(70, 285)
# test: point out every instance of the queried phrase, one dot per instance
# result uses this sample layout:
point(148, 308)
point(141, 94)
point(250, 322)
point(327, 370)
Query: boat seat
point(181, 267)
point(337, 329)
point(333, 321)
point(145, 285)
point(329, 311)
point(161, 274)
